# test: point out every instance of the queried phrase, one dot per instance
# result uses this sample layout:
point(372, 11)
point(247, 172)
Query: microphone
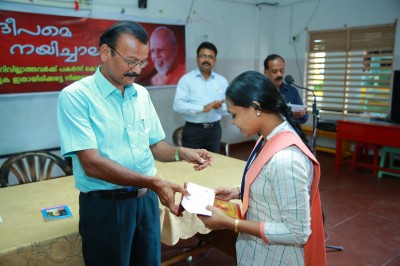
point(289, 80)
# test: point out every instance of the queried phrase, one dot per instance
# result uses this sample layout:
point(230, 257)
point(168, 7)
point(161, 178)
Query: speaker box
point(142, 3)
point(327, 125)
point(395, 99)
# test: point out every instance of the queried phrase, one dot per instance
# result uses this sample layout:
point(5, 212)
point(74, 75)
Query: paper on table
point(56, 213)
point(297, 107)
point(199, 198)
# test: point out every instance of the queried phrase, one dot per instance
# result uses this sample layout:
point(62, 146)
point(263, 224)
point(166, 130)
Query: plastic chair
point(391, 153)
point(33, 166)
point(177, 136)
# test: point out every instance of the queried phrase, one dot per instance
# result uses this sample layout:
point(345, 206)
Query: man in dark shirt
point(274, 69)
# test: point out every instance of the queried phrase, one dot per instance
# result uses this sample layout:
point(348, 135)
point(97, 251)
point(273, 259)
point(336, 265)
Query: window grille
point(350, 70)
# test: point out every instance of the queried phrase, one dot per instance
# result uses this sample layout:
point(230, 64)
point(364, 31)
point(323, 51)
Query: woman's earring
point(258, 113)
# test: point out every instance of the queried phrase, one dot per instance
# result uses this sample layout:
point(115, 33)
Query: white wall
point(29, 121)
point(244, 33)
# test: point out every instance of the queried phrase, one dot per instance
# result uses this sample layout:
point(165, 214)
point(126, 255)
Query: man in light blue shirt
point(109, 127)
point(199, 99)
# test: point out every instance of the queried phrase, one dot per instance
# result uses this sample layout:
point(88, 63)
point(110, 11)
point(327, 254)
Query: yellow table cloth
point(26, 239)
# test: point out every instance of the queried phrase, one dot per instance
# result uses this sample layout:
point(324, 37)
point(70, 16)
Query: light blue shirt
point(92, 114)
point(194, 92)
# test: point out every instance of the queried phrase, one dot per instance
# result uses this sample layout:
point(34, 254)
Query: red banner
point(46, 53)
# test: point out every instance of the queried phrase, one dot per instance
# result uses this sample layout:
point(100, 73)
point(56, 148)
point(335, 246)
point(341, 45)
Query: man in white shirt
point(199, 99)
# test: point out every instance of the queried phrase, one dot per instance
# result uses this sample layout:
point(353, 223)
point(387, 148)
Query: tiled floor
point(362, 216)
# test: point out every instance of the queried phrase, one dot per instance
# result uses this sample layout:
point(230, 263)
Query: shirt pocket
point(142, 132)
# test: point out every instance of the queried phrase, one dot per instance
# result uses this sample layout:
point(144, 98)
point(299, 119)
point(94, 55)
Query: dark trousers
point(198, 137)
point(120, 232)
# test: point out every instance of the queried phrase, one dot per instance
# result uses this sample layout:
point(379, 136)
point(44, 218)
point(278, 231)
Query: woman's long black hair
point(253, 86)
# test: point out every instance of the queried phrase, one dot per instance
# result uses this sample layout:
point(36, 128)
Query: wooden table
point(26, 239)
point(369, 132)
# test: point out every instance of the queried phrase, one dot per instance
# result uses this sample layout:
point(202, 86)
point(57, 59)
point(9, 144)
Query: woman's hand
point(227, 193)
point(218, 219)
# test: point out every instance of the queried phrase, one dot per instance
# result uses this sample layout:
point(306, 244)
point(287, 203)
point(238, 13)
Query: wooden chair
point(33, 166)
point(177, 136)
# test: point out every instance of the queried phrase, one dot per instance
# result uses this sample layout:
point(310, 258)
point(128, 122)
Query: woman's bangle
point(236, 225)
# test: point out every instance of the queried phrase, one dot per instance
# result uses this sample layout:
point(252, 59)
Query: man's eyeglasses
point(204, 56)
point(132, 64)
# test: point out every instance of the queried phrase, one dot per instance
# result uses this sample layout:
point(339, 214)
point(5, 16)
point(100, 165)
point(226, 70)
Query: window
point(350, 70)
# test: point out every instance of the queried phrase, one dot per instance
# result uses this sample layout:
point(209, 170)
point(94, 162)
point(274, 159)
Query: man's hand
point(166, 193)
point(299, 114)
point(201, 158)
point(212, 105)
point(217, 104)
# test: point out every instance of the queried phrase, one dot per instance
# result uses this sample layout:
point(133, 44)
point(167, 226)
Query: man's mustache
point(279, 78)
point(206, 63)
point(131, 74)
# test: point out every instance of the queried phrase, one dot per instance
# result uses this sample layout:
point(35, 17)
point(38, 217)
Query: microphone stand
point(315, 113)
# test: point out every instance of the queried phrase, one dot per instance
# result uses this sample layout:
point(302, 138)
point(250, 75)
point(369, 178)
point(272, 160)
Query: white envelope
point(297, 107)
point(199, 198)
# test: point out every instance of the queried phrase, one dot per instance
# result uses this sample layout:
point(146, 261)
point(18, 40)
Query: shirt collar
point(284, 87)
point(198, 73)
point(106, 88)
point(279, 128)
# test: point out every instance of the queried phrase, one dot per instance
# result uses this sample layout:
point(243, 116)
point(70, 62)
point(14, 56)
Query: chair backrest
point(33, 166)
point(177, 136)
